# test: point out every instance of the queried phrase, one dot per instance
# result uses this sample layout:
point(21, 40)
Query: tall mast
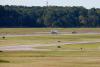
point(45, 12)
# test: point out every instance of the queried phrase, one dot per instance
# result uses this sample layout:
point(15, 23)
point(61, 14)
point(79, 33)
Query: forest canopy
point(51, 16)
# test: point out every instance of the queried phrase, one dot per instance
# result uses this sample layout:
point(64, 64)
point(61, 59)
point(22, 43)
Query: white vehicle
point(54, 31)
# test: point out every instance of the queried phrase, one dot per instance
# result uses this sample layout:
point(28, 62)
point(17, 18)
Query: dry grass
point(49, 58)
point(47, 39)
point(39, 30)
point(52, 62)
point(76, 47)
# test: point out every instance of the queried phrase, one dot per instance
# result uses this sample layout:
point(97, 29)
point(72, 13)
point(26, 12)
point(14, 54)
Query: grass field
point(74, 47)
point(50, 59)
point(4, 31)
point(47, 39)
point(69, 55)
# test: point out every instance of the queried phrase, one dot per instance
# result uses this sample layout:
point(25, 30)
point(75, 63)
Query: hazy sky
point(85, 3)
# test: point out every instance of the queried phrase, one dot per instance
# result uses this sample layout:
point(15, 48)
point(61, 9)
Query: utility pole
point(45, 17)
point(45, 13)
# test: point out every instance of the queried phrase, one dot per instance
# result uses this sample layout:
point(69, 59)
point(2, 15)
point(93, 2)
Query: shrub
point(59, 41)
point(74, 32)
point(3, 37)
point(58, 46)
point(1, 51)
point(4, 61)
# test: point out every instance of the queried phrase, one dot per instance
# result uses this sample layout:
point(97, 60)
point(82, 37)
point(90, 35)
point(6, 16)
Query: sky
point(85, 3)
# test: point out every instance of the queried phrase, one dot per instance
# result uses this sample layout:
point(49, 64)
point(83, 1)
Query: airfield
point(38, 47)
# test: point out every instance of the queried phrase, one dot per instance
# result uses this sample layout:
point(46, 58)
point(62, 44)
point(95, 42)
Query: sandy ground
point(33, 47)
point(47, 33)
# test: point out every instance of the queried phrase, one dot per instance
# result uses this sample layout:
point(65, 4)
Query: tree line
point(51, 16)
